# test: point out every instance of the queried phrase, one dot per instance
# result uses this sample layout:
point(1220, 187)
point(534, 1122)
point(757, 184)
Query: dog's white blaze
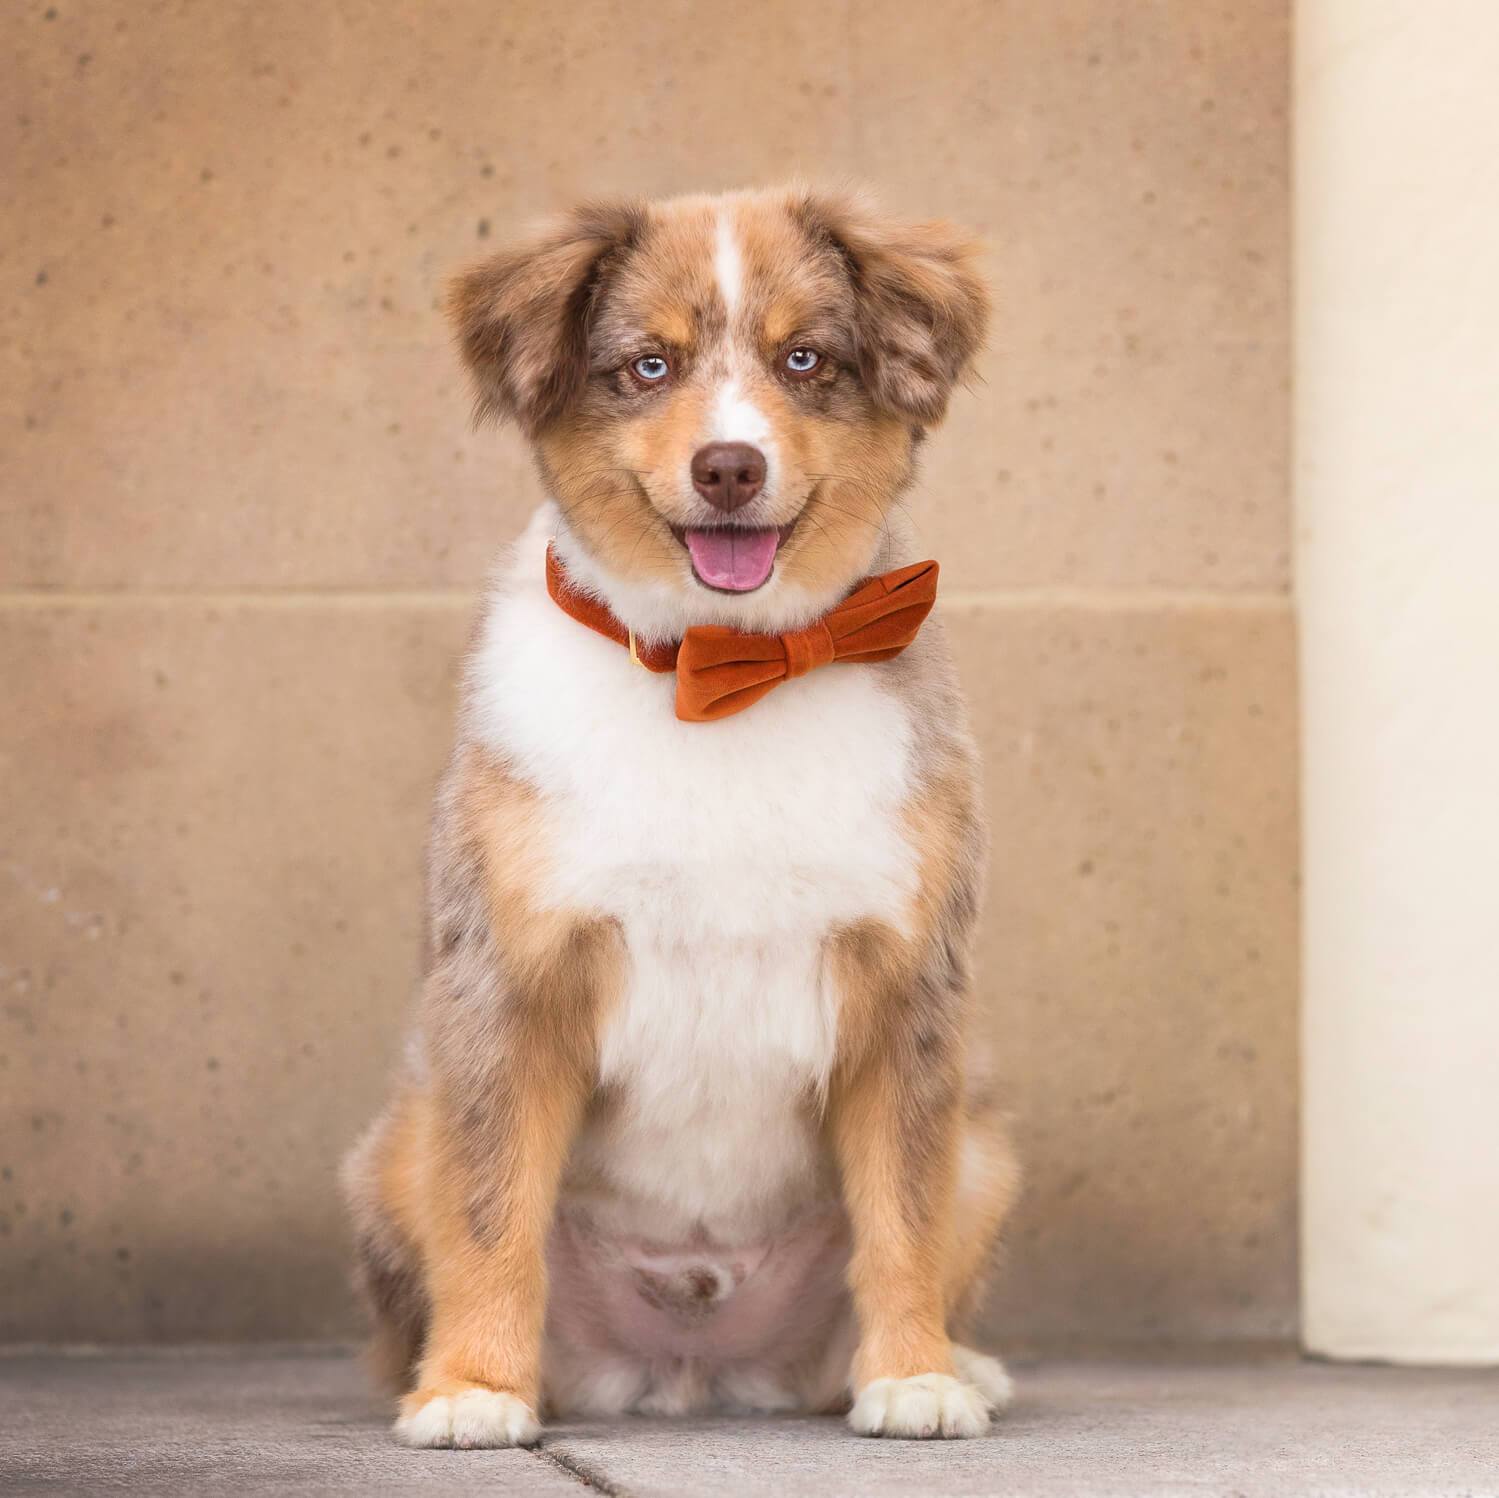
point(728, 266)
point(726, 852)
point(733, 417)
point(736, 418)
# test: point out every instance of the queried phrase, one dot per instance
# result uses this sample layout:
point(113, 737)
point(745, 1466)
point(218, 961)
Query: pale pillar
point(1397, 373)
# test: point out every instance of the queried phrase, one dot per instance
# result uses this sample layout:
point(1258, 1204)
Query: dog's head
point(725, 394)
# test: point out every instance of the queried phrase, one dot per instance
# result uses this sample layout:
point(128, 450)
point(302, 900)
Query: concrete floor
point(258, 1422)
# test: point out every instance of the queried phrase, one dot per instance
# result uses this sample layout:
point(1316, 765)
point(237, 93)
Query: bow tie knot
point(806, 649)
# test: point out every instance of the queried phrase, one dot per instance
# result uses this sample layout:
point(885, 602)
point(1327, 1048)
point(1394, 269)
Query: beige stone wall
point(242, 519)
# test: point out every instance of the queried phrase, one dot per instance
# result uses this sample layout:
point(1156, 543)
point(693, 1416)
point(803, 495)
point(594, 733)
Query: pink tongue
point(734, 559)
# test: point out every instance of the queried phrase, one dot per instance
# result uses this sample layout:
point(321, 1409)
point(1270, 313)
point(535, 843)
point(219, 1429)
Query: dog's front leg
point(894, 1111)
point(478, 1380)
point(504, 1107)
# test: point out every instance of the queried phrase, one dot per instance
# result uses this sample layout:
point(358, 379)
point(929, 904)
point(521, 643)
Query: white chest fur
point(726, 851)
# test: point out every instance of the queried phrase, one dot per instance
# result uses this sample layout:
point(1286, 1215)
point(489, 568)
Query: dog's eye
point(651, 368)
point(803, 360)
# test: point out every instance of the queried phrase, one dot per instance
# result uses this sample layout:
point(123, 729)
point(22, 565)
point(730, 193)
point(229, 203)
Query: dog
point(691, 1119)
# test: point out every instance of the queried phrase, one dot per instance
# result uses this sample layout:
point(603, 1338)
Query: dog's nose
point(728, 474)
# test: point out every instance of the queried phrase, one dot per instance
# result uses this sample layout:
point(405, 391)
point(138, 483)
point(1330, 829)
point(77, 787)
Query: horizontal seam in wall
point(268, 598)
point(1114, 600)
point(1097, 600)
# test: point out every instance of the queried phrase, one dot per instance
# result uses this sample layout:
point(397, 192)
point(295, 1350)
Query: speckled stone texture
point(248, 1423)
point(243, 521)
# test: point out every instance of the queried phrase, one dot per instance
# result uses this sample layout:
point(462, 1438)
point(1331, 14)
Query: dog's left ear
point(922, 308)
point(522, 316)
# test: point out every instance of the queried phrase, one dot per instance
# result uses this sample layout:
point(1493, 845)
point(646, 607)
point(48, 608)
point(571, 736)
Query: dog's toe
point(986, 1374)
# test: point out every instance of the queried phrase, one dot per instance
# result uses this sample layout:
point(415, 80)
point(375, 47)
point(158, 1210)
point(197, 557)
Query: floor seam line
point(581, 1472)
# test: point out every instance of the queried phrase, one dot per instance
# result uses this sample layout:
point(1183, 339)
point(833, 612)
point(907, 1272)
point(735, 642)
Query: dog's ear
point(522, 316)
point(922, 307)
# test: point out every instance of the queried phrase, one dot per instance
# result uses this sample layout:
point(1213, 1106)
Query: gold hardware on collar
point(635, 654)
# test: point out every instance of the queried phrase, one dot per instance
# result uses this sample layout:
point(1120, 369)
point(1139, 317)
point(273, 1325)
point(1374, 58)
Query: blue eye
point(803, 360)
point(651, 367)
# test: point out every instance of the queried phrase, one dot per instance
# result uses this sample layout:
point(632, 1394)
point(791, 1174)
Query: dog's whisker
point(820, 503)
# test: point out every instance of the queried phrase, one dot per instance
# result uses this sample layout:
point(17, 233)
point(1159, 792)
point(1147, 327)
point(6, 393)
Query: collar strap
point(654, 655)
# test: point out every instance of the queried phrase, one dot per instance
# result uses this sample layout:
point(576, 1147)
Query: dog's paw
point(929, 1404)
point(986, 1374)
point(469, 1419)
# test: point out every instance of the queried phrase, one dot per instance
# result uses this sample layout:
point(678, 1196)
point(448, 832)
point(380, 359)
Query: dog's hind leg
point(387, 1271)
point(987, 1186)
point(988, 1183)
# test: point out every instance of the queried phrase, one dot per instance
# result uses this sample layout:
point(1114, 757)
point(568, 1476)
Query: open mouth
point(733, 558)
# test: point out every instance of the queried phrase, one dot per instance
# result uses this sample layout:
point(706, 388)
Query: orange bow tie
point(721, 671)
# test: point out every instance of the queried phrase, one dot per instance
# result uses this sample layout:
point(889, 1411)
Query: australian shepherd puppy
point(691, 1118)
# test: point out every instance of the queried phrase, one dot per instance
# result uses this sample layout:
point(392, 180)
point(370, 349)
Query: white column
point(1397, 373)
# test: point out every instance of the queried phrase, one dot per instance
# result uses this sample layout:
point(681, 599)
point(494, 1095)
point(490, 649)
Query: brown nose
point(728, 474)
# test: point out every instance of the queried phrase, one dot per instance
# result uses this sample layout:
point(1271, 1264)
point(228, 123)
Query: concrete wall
point(242, 519)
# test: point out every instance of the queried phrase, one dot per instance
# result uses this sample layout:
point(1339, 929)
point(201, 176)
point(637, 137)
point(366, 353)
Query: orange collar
point(721, 671)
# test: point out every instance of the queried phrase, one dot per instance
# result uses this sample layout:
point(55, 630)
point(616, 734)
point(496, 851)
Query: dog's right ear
point(922, 305)
point(522, 316)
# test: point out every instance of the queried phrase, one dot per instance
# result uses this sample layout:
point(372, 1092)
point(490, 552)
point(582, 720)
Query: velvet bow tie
point(721, 671)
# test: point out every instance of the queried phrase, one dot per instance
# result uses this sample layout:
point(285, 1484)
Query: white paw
point(929, 1404)
point(986, 1374)
point(474, 1418)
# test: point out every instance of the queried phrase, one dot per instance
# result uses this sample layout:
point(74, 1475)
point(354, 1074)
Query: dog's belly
point(717, 1302)
point(637, 1324)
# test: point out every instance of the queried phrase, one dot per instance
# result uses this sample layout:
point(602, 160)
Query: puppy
point(689, 1120)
